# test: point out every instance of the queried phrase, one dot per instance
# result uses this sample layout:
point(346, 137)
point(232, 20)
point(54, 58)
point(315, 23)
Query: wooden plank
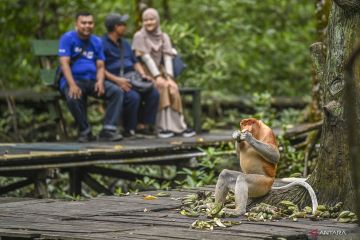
point(4, 200)
point(47, 76)
point(126, 146)
point(176, 233)
point(123, 218)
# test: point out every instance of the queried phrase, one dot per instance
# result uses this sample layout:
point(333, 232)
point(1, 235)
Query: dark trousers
point(78, 107)
point(140, 108)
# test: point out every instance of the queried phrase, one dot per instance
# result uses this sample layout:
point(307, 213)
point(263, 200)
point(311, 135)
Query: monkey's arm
point(269, 153)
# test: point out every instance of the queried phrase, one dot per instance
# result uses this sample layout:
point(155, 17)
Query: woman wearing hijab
point(154, 48)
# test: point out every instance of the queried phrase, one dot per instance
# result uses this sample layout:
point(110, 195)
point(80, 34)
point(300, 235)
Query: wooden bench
point(46, 49)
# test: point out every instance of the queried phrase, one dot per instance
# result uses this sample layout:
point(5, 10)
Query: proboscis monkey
point(258, 153)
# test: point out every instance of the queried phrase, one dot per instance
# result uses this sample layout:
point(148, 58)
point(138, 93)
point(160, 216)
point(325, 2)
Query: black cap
point(114, 19)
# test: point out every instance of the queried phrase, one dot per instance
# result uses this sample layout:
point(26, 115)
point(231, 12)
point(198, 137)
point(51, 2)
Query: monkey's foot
point(233, 212)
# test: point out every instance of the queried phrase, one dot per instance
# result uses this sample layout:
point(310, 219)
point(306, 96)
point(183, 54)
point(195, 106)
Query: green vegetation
point(254, 48)
point(236, 47)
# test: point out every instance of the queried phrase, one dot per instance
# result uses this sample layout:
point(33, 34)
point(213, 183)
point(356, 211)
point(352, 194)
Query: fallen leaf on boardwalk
point(219, 223)
point(163, 194)
point(200, 139)
point(176, 142)
point(145, 210)
point(118, 147)
point(149, 197)
point(123, 194)
point(189, 213)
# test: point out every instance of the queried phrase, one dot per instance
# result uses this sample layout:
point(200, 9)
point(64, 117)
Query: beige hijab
point(155, 43)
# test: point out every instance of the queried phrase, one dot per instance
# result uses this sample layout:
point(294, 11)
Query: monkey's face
point(249, 124)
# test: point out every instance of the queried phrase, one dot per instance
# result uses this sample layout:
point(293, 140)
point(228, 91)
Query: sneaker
point(188, 133)
point(165, 134)
point(109, 136)
point(129, 134)
point(85, 137)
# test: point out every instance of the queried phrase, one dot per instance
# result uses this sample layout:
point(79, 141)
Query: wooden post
point(60, 118)
point(75, 175)
point(41, 190)
point(197, 110)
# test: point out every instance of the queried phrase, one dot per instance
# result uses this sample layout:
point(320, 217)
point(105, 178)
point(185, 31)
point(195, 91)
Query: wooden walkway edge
point(132, 217)
point(37, 162)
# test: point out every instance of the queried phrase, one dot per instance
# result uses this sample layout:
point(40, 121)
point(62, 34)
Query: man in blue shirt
point(136, 105)
point(82, 63)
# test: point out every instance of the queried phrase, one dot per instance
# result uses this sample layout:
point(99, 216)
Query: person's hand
point(74, 91)
point(172, 84)
point(146, 77)
point(99, 88)
point(124, 84)
point(161, 82)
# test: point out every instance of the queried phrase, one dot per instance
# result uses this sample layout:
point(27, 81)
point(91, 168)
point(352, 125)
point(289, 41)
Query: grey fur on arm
point(269, 153)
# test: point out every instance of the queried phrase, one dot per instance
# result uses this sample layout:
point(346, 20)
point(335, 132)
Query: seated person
point(82, 63)
point(142, 105)
point(154, 48)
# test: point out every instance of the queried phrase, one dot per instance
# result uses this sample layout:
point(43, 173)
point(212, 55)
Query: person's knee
point(133, 98)
point(162, 85)
point(112, 90)
point(117, 94)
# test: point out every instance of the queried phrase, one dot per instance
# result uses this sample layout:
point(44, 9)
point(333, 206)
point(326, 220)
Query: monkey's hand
point(247, 136)
point(237, 136)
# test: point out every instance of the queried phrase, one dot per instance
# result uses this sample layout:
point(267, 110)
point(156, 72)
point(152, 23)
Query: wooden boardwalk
point(36, 161)
point(15, 156)
point(132, 217)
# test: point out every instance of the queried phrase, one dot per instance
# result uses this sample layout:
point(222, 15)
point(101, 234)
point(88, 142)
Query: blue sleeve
point(65, 46)
point(100, 52)
point(131, 53)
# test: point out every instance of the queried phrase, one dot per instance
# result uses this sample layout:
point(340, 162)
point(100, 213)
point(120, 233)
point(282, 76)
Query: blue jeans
point(78, 107)
point(140, 108)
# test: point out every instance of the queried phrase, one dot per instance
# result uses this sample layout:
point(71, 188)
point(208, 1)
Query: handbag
point(138, 83)
point(59, 73)
point(178, 65)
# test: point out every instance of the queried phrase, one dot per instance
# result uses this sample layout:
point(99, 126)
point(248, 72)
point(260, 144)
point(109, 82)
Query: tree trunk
point(166, 10)
point(331, 178)
point(352, 113)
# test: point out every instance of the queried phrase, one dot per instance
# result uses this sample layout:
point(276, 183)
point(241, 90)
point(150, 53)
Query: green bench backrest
point(46, 49)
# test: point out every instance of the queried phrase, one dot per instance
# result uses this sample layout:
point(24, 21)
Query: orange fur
point(259, 130)
point(263, 133)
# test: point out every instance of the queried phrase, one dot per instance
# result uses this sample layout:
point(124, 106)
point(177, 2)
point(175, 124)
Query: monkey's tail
point(307, 187)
